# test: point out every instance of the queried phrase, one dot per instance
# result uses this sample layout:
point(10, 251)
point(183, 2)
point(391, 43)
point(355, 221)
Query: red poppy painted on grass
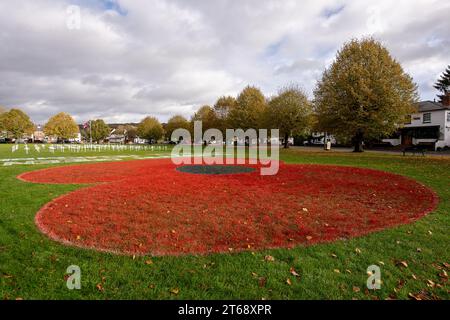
point(149, 207)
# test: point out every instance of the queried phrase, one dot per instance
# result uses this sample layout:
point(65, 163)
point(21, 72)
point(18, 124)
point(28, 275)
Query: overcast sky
point(132, 58)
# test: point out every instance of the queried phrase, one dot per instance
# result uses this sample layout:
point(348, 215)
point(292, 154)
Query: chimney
point(446, 99)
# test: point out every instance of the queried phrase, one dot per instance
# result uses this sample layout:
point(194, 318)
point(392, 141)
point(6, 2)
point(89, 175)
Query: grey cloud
point(169, 57)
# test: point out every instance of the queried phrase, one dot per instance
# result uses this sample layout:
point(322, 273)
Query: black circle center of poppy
point(215, 169)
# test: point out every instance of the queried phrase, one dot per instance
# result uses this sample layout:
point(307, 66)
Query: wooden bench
point(416, 149)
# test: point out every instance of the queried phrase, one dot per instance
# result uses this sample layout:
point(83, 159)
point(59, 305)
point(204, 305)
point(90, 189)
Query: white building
point(76, 139)
point(320, 138)
point(429, 126)
point(116, 138)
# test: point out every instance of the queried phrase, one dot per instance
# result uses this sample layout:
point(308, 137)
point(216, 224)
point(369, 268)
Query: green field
point(34, 267)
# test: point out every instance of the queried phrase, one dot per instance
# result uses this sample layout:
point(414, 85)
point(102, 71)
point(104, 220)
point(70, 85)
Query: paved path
point(443, 154)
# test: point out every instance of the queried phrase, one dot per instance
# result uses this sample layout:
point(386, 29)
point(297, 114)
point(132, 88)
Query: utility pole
point(90, 130)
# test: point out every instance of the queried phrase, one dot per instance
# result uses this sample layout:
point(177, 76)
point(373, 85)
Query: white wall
point(439, 118)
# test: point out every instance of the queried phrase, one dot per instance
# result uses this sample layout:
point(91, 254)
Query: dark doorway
point(407, 140)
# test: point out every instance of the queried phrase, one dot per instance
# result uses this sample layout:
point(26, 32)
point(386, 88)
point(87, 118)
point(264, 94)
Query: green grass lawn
point(33, 266)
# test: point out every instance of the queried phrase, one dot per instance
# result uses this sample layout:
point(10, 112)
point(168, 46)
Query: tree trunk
point(358, 142)
point(286, 141)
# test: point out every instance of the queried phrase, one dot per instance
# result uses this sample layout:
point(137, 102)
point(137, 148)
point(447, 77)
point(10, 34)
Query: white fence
point(61, 148)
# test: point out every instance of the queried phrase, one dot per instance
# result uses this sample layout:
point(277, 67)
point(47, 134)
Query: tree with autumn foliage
point(207, 116)
point(16, 123)
point(443, 84)
point(290, 112)
point(174, 123)
point(2, 125)
point(98, 130)
point(364, 94)
point(62, 126)
point(222, 109)
point(151, 129)
point(249, 110)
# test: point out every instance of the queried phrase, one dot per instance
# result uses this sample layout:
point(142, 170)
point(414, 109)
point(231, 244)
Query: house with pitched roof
point(430, 126)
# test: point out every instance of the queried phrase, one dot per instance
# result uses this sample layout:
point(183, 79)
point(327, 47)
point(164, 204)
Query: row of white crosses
point(90, 147)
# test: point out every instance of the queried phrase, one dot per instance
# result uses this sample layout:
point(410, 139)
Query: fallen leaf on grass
point(337, 270)
point(356, 289)
point(431, 283)
point(269, 258)
point(288, 281)
point(421, 295)
point(99, 287)
point(293, 272)
point(333, 255)
point(358, 250)
point(402, 264)
point(400, 284)
point(175, 291)
point(414, 297)
point(148, 262)
point(262, 282)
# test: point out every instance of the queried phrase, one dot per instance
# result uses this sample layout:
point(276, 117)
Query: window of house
point(408, 119)
point(448, 116)
point(427, 117)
